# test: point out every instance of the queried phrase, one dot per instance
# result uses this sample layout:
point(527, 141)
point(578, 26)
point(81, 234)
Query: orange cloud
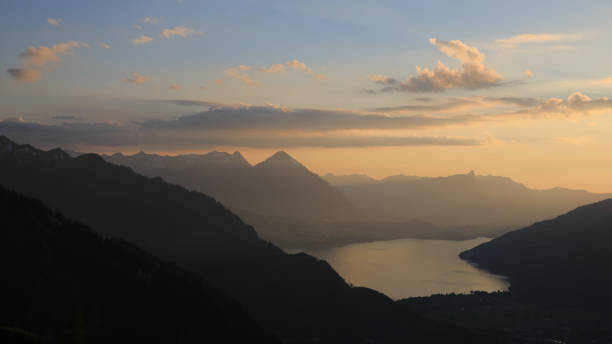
point(537, 38)
point(181, 31)
point(136, 79)
point(238, 73)
point(53, 21)
point(35, 58)
point(25, 74)
point(142, 40)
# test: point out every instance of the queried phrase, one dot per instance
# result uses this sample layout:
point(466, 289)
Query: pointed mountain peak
point(238, 157)
point(282, 156)
point(282, 159)
point(471, 173)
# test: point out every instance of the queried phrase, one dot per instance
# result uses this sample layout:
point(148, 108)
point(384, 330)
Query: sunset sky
point(428, 88)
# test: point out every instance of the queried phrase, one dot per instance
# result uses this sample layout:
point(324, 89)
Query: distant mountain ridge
point(491, 204)
point(277, 186)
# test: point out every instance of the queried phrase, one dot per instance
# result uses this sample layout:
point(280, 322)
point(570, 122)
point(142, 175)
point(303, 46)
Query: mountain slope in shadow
point(63, 283)
point(565, 260)
point(297, 296)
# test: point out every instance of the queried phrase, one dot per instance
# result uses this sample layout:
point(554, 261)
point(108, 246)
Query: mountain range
point(295, 208)
point(297, 297)
point(475, 205)
point(279, 186)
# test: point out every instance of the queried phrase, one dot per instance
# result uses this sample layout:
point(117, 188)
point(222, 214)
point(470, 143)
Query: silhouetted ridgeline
point(278, 186)
point(61, 283)
point(296, 296)
point(566, 260)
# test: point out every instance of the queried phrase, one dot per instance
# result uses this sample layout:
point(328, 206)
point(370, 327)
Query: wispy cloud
point(180, 31)
point(36, 58)
point(472, 75)
point(105, 45)
point(273, 69)
point(273, 118)
point(142, 40)
point(278, 68)
point(136, 79)
point(238, 73)
point(54, 21)
point(115, 135)
point(530, 38)
point(174, 87)
point(42, 55)
point(150, 20)
point(602, 82)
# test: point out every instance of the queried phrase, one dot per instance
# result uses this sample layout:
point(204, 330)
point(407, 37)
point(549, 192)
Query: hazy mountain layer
point(485, 205)
point(278, 186)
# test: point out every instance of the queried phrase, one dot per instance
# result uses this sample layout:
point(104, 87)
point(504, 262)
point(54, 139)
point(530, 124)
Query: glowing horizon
point(345, 87)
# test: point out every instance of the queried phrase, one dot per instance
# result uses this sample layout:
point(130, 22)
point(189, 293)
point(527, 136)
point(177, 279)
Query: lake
point(410, 267)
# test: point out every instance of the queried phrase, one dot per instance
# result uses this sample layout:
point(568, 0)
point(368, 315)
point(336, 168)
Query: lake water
point(410, 267)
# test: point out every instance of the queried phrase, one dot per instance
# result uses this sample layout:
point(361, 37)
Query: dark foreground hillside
point(61, 283)
point(565, 260)
point(298, 297)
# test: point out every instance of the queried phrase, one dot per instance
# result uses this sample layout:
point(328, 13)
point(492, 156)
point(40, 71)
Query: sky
point(428, 88)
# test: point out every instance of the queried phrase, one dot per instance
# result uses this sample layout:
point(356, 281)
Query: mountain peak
point(240, 158)
point(282, 156)
point(282, 159)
